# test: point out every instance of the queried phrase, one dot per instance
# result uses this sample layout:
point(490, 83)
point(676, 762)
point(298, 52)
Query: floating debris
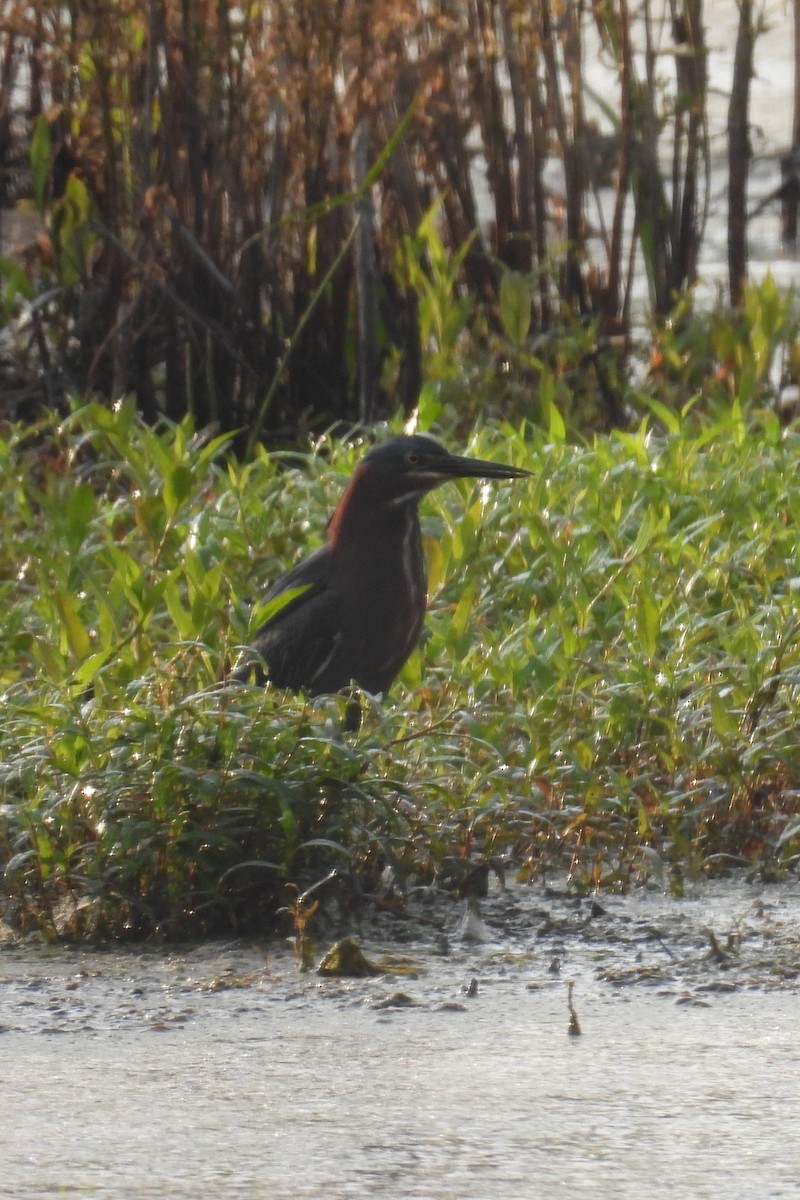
point(346, 958)
point(396, 1000)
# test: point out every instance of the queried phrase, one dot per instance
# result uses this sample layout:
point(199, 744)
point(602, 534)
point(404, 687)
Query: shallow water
point(220, 1070)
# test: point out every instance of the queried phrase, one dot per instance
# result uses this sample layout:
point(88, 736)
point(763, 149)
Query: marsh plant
point(236, 200)
point(607, 690)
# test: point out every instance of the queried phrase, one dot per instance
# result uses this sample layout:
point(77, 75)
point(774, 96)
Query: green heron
point(364, 593)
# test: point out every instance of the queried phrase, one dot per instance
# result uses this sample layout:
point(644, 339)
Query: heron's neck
point(366, 519)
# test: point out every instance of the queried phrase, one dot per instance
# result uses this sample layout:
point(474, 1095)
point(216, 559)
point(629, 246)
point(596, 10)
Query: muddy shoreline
point(164, 1073)
point(723, 937)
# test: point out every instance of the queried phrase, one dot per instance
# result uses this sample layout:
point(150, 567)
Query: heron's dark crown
point(406, 453)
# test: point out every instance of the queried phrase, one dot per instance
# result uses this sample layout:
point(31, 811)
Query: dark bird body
point(361, 612)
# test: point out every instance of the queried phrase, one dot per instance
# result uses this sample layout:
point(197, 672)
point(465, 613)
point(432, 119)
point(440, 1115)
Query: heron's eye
point(412, 459)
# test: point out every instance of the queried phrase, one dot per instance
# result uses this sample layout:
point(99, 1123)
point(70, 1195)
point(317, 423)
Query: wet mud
point(725, 937)
point(221, 1069)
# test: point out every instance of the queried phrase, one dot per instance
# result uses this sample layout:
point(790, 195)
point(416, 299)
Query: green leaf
point(557, 430)
point(72, 234)
point(436, 563)
point(725, 723)
point(16, 284)
point(549, 414)
point(77, 637)
point(79, 200)
point(262, 613)
point(178, 612)
point(80, 510)
point(668, 418)
point(648, 623)
point(515, 306)
point(177, 488)
point(429, 403)
point(90, 667)
point(461, 616)
point(41, 160)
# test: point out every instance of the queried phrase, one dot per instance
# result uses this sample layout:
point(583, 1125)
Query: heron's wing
point(296, 644)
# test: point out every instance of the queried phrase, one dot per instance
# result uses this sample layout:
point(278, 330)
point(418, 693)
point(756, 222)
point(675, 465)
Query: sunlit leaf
point(77, 636)
point(515, 305)
point(648, 622)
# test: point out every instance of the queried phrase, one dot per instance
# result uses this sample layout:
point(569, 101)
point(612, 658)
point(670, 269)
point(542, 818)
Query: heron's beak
point(457, 466)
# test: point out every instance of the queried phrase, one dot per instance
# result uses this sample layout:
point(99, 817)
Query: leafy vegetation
point(234, 201)
point(608, 688)
point(267, 218)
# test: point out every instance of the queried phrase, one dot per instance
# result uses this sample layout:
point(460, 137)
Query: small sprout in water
point(301, 910)
point(472, 927)
point(723, 954)
point(574, 1027)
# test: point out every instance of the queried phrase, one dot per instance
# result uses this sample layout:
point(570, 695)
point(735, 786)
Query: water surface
point(222, 1071)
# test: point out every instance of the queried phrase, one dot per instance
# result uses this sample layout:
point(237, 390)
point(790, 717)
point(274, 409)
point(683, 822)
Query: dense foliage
point(283, 219)
point(233, 201)
point(607, 689)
